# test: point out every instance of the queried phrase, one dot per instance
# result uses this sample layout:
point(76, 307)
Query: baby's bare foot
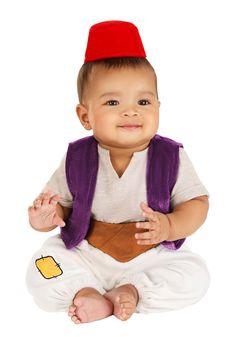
point(88, 306)
point(124, 299)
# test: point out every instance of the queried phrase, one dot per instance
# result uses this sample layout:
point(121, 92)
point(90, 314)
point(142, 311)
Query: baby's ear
point(82, 114)
point(80, 110)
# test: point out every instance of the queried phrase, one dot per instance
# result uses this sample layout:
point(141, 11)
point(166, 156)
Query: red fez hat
point(110, 39)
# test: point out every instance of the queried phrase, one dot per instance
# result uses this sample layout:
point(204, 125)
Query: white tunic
point(117, 200)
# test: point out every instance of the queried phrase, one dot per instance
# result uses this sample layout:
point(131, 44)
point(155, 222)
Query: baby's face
point(121, 107)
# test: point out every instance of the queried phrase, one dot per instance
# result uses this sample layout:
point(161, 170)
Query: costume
point(113, 39)
point(168, 276)
point(166, 279)
point(162, 169)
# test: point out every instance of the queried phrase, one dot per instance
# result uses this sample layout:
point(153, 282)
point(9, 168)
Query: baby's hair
point(116, 63)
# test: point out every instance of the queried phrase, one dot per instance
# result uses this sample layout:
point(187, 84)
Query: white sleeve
point(188, 184)
point(57, 184)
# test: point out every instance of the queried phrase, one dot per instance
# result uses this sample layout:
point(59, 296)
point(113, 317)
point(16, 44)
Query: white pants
point(165, 279)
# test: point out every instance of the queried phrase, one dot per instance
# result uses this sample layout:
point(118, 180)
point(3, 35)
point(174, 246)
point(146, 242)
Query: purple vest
point(81, 175)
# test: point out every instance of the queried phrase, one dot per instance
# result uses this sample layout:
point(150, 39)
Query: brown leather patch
point(116, 240)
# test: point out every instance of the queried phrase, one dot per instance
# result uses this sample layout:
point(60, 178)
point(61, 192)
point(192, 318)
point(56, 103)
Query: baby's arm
point(46, 213)
point(189, 204)
point(187, 217)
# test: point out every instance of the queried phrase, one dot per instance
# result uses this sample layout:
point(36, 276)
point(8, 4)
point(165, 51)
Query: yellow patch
point(48, 267)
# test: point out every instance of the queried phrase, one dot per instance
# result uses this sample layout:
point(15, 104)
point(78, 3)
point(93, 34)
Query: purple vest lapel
point(81, 174)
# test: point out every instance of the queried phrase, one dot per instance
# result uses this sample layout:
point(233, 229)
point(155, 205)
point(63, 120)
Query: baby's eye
point(112, 102)
point(143, 102)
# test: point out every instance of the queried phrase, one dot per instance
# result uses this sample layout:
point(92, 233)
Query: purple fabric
point(161, 176)
point(81, 174)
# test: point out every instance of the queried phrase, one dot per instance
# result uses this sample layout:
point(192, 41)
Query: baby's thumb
point(62, 224)
point(57, 221)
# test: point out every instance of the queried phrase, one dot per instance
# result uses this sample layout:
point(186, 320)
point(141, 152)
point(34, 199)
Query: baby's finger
point(54, 199)
point(57, 221)
point(146, 235)
point(31, 209)
point(145, 224)
point(62, 224)
point(145, 207)
point(37, 203)
point(147, 211)
point(152, 217)
point(147, 242)
point(46, 199)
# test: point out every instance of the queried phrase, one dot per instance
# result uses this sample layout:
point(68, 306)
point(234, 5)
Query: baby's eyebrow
point(111, 93)
point(117, 93)
point(147, 93)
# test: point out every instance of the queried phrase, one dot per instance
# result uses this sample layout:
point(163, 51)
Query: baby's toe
point(124, 316)
point(71, 310)
point(127, 300)
point(127, 306)
point(78, 302)
point(75, 319)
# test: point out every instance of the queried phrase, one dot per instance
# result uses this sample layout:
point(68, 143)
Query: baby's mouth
point(130, 126)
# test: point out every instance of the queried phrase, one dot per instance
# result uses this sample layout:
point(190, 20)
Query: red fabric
point(113, 39)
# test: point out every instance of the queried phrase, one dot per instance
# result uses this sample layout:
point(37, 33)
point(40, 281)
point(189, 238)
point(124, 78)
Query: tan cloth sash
point(116, 240)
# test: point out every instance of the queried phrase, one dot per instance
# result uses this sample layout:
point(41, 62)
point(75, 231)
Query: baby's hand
point(158, 227)
point(42, 215)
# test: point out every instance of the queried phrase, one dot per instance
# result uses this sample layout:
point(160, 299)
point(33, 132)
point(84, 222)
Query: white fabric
point(165, 279)
point(117, 200)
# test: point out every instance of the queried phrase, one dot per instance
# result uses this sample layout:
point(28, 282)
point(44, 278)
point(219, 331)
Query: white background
point(191, 44)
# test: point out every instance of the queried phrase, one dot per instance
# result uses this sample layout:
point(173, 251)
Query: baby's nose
point(130, 111)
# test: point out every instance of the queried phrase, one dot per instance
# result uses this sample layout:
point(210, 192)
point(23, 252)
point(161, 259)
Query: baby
point(125, 198)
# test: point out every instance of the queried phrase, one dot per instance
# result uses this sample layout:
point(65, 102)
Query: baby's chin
point(124, 139)
point(124, 144)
